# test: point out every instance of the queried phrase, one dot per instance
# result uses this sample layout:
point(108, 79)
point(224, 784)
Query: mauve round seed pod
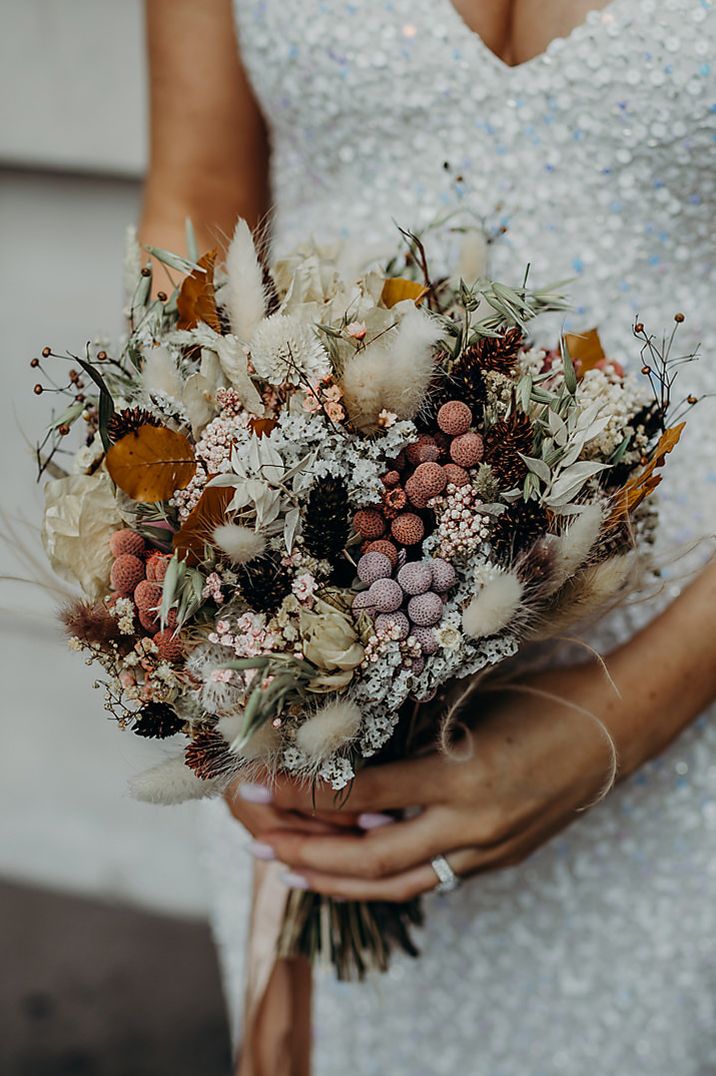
point(372, 566)
point(369, 523)
point(425, 609)
point(127, 571)
point(393, 620)
point(362, 603)
point(426, 638)
point(467, 450)
point(456, 476)
point(382, 545)
point(454, 418)
point(147, 595)
point(386, 595)
point(415, 577)
point(126, 541)
point(169, 645)
point(417, 665)
point(408, 529)
point(415, 453)
point(443, 573)
point(391, 478)
point(432, 478)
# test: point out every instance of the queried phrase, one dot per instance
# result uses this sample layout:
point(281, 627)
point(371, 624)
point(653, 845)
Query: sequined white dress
point(598, 955)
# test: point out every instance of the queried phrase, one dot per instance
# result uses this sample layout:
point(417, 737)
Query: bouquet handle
point(276, 1029)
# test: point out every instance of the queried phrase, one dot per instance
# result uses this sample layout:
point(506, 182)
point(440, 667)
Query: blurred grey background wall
point(72, 151)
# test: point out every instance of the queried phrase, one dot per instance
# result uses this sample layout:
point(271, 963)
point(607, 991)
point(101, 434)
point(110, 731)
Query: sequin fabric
point(598, 954)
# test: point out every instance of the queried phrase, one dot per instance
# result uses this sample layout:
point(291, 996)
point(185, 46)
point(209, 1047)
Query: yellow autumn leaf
point(585, 350)
point(396, 289)
point(638, 488)
point(151, 462)
point(197, 300)
point(196, 532)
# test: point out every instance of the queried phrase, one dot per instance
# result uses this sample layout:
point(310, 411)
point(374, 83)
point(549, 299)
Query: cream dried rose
point(80, 515)
point(330, 642)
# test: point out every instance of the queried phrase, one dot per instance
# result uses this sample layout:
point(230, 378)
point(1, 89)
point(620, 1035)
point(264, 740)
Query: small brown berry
point(46, 352)
point(678, 318)
point(162, 296)
point(34, 363)
point(639, 327)
point(63, 430)
point(646, 370)
point(38, 390)
point(101, 356)
point(146, 271)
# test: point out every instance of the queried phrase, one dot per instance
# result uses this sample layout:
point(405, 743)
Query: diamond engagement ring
point(448, 881)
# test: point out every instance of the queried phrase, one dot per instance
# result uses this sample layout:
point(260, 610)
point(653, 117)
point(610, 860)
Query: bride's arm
point(208, 149)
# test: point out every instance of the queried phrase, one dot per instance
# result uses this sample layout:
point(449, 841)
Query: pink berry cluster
point(461, 527)
point(137, 574)
point(421, 472)
point(407, 604)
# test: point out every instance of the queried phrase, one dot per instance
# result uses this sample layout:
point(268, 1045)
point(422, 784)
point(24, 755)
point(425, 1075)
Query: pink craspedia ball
point(147, 595)
point(454, 418)
point(372, 566)
point(391, 621)
point(369, 523)
point(467, 450)
point(431, 477)
point(425, 609)
point(382, 545)
point(169, 645)
point(386, 595)
point(363, 603)
point(127, 571)
point(415, 577)
point(391, 478)
point(149, 620)
point(415, 453)
point(443, 573)
point(426, 639)
point(456, 476)
point(157, 565)
point(126, 541)
point(408, 529)
point(416, 493)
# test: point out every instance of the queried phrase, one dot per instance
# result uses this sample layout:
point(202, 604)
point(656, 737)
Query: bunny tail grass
point(245, 293)
point(169, 783)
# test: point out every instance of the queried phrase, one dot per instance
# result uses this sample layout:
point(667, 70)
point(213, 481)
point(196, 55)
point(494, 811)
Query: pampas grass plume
point(241, 544)
point(245, 294)
point(170, 782)
point(574, 546)
point(588, 593)
point(329, 728)
point(494, 608)
point(392, 374)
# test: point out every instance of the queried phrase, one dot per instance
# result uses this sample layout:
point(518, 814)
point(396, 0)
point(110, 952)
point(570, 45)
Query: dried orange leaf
point(585, 350)
point(396, 289)
point(197, 299)
point(208, 513)
point(151, 462)
point(262, 426)
point(638, 488)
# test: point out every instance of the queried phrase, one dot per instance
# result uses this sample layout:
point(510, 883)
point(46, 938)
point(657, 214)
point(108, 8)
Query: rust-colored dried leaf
point(208, 513)
point(638, 488)
point(396, 289)
point(197, 299)
point(585, 350)
point(262, 427)
point(151, 462)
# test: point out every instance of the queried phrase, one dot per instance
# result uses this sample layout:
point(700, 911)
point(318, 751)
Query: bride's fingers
point(376, 788)
point(261, 818)
point(380, 852)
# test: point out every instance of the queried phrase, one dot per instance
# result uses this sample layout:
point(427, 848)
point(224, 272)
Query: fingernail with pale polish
point(294, 881)
point(259, 850)
point(255, 793)
point(374, 821)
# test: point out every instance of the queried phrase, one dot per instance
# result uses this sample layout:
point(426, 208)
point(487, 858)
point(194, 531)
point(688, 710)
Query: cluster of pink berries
point(137, 574)
point(422, 471)
point(409, 604)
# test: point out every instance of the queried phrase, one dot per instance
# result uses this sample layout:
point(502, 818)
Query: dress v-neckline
point(604, 15)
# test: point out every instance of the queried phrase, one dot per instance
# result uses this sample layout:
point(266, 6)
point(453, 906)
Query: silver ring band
point(448, 881)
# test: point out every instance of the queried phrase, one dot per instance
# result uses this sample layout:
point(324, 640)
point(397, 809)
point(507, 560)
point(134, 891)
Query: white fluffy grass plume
point(494, 607)
point(328, 729)
point(261, 747)
point(573, 547)
point(244, 293)
point(241, 544)
point(170, 782)
point(160, 376)
point(589, 593)
point(392, 374)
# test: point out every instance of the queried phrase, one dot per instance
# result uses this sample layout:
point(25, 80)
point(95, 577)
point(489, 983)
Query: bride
point(582, 135)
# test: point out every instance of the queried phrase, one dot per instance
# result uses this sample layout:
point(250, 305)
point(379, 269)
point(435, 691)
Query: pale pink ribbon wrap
point(277, 1006)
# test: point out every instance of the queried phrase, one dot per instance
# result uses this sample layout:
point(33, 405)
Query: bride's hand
point(534, 763)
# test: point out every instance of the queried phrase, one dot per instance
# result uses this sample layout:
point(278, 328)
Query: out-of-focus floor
point(92, 989)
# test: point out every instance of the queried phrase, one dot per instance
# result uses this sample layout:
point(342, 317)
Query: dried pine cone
point(127, 421)
point(264, 583)
point(504, 442)
point(326, 527)
point(157, 720)
point(517, 529)
point(497, 353)
point(208, 755)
